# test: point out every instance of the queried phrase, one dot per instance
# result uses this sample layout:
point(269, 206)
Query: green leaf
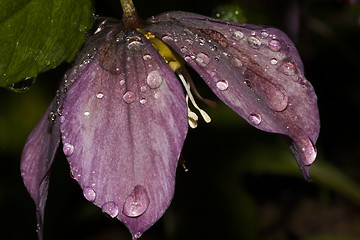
point(38, 35)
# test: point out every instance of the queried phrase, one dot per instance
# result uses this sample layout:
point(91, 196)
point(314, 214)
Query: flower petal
point(37, 158)
point(125, 121)
point(255, 70)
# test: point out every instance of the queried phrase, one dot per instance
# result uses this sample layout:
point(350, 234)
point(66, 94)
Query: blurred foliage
point(242, 183)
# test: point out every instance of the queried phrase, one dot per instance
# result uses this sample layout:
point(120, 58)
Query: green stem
point(128, 8)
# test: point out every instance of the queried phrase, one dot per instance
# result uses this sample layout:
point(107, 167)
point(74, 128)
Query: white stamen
point(192, 117)
point(205, 116)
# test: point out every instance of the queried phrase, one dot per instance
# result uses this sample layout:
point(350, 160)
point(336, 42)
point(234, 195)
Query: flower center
point(176, 64)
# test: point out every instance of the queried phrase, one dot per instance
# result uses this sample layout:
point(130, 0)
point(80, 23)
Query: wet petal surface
point(37, 158)
point(262, 71)
point(125, 121)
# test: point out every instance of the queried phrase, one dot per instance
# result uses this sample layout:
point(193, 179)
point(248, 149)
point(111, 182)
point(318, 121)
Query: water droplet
point(129, 97)
point(134, 43)
point(89, 194)
point(146, 56)
point(137, 202)
point(52, 116)
point(288, 68)
point(68, 149)
point(237, 35)
point(264, 33)
point(75, 173)
point(99, 95)
point(22, 86)
point(154, 79)
point(189, 40)
point(137, 235)
point(122, 82)
point(86, 113)
point(222, 84)
point(202, 59)
point(111, 209)
point(275, 45)
point(143, 89)
point(255, 118)
point(254, 41)
point(157, 95)
point(143, 100)
point(273, 61)
point(167, 37)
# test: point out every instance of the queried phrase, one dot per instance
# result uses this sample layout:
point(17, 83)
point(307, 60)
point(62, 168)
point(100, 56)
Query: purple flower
point(122, 112)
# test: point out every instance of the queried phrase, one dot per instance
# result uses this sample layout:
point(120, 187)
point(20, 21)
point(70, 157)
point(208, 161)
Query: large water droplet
point(237, 35)
point(89, 194)
point(288, 68)
point(99, 95)
point(68, 149)
point(22, 86)
point(254, 41)
point(255, 118)
point(222, 84)
point(202, 59)
point(129, 97)
point(137, 202)
point(111, 209)
point(154, 79)
point(134, 43)
point(275, 45)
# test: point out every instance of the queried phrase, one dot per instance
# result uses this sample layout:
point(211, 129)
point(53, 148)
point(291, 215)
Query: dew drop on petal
point(99, 95)
point(255, 118)
point(134, 43)
point(137, 235)
point(143, 88)
point(202, 60)
point(111, 209)
point(222, 84)
point(129, 97)
point(154, 79)
point(146, 57)
point(157, 95)
point(254, 41)
point(273, 61)
point(288, 68)
point(237, 35)
point(89, 194)
point(167, 37)
point(68, 149)
point(143, 100)
point(122, 82)
point(86, 113)
point(137, 202)
point(264, 33)
point(275, 45)
point(52, 116)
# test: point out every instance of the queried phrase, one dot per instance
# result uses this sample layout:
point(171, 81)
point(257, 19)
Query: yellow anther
point(171, 58)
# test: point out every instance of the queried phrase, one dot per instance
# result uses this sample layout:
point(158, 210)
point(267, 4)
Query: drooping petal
point(124, 123)
point(255, 70)
point(37, 158)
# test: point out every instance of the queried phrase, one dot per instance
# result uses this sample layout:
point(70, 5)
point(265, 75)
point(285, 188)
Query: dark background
point(242, 183)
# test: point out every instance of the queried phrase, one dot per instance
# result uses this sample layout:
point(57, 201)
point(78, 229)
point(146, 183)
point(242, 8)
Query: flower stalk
point(130, 16)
